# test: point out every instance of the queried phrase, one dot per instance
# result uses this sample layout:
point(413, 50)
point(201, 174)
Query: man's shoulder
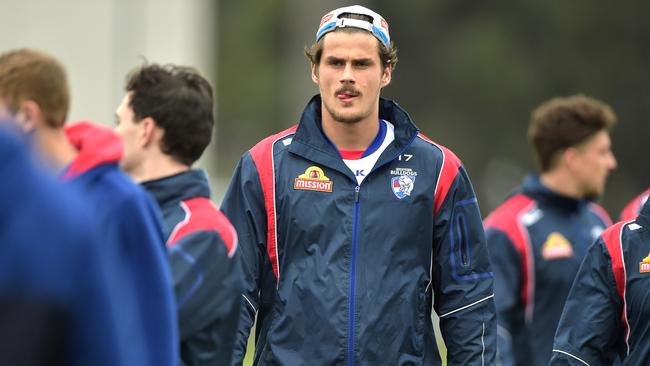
point(267, 144)
point(203, 219)
point(509, 212)
point(111, 188)
point(438, 150)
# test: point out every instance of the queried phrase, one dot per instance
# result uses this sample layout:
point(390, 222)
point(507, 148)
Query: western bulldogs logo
point(403, 185)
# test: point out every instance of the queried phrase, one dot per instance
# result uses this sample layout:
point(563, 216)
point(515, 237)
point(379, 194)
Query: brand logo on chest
point(313, 179)
point(644, 266)
point(556, 246)
point(403, 184)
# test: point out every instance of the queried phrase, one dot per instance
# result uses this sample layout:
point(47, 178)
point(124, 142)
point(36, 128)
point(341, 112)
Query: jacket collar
point(97, 145)
point(179, 187)
point(644, 215)
point(534, 188)
point(310, 142)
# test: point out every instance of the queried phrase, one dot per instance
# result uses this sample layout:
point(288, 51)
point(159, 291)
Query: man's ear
point(29, 115)
point(314, 73)
point(387, 75)
point(147, 134)
point(570, 157)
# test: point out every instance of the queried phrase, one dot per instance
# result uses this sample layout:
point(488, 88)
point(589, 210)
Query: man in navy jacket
point(605, 317)
point(352, 222)
point(539, 235)
point(34, 90)
point(165, 120)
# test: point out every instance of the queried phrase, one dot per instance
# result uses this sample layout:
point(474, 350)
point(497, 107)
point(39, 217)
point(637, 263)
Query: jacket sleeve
point(243, 204)
point(590, 329)
point(511, 336)
point(136, 223)
point(462, 277)
point(207, 284)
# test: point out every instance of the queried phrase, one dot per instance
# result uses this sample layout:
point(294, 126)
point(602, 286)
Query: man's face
point(129, 132)
point(594, 161)
point(350, 76)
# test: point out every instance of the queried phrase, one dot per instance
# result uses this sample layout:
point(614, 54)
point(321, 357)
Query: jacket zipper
point(353, 261)
point(353, 265)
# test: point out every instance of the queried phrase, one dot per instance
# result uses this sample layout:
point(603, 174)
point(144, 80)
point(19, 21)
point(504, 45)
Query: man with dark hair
point(34, 92)
point(352, 222)
point(539, 235)
point(165, 120)
point(605, 318)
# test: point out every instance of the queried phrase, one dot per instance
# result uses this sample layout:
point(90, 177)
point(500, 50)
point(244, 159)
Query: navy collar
point(534, 188)
point(644, 215)
point(374, 145)
point(179, 187)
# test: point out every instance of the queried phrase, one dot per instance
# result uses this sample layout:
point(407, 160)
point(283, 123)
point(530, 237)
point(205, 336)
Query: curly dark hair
point(180, 101)
point(566, 122)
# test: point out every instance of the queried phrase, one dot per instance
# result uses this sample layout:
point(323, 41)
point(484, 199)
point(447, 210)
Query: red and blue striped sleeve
point(461, 273)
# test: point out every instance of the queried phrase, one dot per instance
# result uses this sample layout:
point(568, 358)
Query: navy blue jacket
point(207, 281)
point(537, 239)
point(131, 227)
point(606, 314)
point(340, 273)
point(56, 305)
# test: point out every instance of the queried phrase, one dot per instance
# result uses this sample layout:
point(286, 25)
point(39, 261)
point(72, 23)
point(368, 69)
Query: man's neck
point(54, 148)
point(562, 182)
point(351, 136)
point(157, 166)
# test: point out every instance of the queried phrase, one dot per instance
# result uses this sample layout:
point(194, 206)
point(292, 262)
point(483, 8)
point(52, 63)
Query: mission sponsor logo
point(644, 266)
point(556, 246)
point(313, 179)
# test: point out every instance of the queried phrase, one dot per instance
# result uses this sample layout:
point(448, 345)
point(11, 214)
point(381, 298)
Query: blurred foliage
point(469, 74)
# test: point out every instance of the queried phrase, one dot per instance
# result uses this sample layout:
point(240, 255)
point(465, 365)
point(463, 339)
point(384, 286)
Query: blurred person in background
point(166, 122)
point(56, 305)
point(539, 235)
point(605, 318)
point(632, 209)
point(352, 222)
point(34, 92)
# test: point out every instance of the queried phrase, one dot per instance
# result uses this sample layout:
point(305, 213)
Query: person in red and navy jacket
point(539, 235)
point(165, 120)
point(606, 314)
point(34, 89)
point(352, 222)
point(632, 209)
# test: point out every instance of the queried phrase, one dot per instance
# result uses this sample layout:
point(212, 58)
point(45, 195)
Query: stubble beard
point(345, 119)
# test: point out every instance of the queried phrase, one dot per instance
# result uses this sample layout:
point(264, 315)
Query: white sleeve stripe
point(483, 344)
point(466, 306)
point(570, 355)
point(249, 303)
